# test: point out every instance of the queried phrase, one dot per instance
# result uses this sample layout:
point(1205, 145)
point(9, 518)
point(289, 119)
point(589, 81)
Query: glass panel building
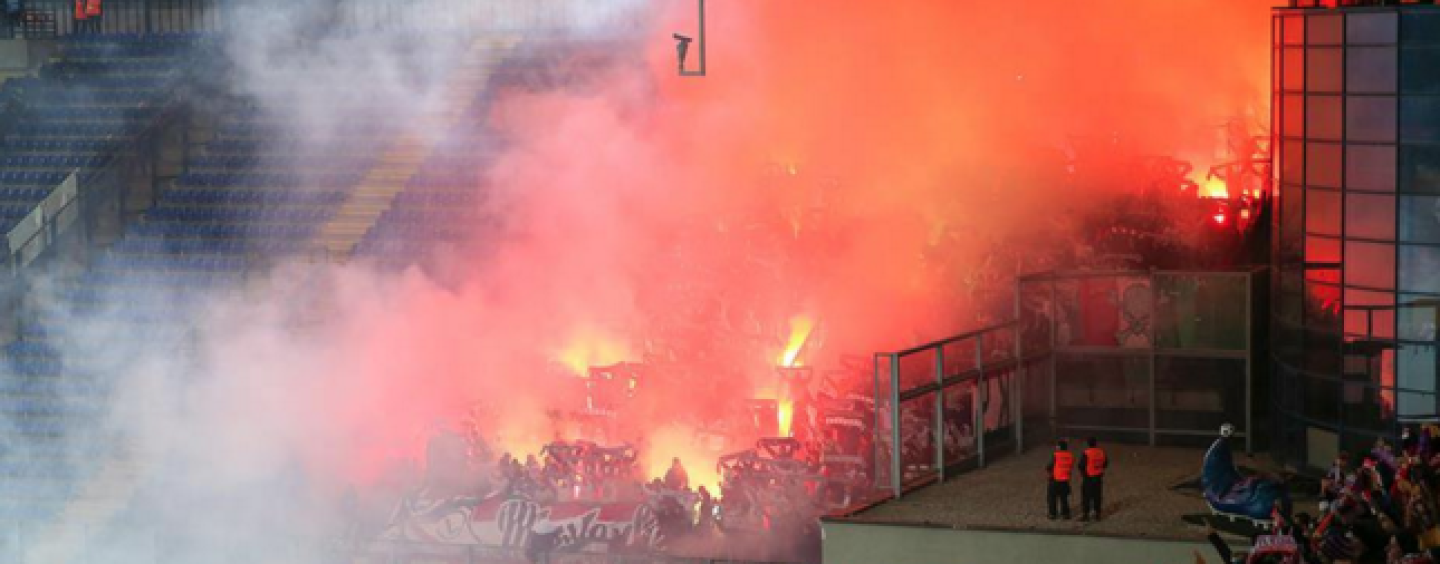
point(1356, 285)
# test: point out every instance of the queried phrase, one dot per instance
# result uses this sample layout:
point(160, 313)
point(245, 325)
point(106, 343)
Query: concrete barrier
point(850, 542)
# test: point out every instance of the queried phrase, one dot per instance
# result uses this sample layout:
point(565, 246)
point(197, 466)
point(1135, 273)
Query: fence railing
point(949, 405)
point(1148, 356)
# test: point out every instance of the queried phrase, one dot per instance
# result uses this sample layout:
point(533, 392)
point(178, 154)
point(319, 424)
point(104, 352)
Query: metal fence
point(1152, 356)
point(961, 401)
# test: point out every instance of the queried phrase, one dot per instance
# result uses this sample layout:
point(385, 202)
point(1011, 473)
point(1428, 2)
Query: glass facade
point(1356, 284)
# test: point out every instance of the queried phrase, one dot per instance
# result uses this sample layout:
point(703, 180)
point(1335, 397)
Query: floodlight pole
point(700, 38)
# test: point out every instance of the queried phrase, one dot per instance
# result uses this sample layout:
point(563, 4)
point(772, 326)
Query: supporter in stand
point(675, 477)
point(705, 521)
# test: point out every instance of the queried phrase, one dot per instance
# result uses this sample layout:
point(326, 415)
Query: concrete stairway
point(375, 193)
point(71, 534)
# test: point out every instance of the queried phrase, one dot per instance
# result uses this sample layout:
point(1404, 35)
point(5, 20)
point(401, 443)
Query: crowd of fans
point(1382, 508)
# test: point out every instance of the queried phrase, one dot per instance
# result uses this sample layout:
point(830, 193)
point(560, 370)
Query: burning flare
point(800, 328)
point(590, 348)
point(1214, 187)
point(785, 416)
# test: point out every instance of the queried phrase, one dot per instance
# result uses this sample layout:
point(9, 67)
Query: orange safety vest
point(1064, 461)
point(79, 10)
point(1094, 462)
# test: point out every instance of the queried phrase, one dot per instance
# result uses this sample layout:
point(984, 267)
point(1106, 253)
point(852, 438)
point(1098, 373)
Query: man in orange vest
point(1092, 479)
point(1057, 491)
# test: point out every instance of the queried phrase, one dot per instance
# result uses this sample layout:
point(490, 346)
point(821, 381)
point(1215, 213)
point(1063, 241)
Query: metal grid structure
point(1153, 357)
point(1159, 357)
point(1356, 101)
point(960, 399)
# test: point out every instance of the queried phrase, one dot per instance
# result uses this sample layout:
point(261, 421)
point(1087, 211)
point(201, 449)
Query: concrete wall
point(857, 543)
point(14, 56)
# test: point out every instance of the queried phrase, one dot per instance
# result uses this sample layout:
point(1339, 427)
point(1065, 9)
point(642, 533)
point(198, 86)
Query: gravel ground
point(1010, 494)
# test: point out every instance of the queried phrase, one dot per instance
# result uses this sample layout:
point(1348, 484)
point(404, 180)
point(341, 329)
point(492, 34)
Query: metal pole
point(1018, 395)
point(895, 466)
point(702, 37)
point(980, 385)
point(875, 428)
point(1154, 308)
point(1249, 358)
point(1054, 361)
point(940, 413)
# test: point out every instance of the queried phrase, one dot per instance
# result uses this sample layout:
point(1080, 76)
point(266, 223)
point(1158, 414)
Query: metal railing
point(1125, 354)
point(1149, 354)
point(948, 405)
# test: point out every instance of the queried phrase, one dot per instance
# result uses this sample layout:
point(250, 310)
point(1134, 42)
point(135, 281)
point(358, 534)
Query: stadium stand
point(77, 112)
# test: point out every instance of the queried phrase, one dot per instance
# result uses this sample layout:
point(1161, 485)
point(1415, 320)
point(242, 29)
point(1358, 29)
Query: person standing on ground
point(1057, 491)
point(1093, 464)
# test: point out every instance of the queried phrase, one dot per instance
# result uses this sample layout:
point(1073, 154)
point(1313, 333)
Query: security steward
point(1058, 488)
point(1092, 479)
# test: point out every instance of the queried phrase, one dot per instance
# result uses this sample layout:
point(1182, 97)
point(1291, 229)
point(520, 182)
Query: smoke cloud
point(856, 164)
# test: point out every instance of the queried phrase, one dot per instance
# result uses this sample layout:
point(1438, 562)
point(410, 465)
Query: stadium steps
point(393, 170)
point(95, 504)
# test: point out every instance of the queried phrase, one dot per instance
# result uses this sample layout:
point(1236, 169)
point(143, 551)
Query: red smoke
point(903, 130)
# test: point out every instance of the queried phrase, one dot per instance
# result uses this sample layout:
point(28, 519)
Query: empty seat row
point(254, 197)
point(15, 211)
point(52, 161)
point(172, 38)
point(156, 280)
point(111, 287)
point(117, 63)
point(250, 160)
point(91, 113)
point(26, 407)
point(20, 451)
point(32, 366)
point(30, 348)
point(12, 193)
point(66, 129)
point(285, 146)
point(37, 85)
point(219, 214)
point(32, 177)
point(213, 246)
point(269, 179)
point(420, 232)
point(49, 387)
point(172, 262)
point(25, 469)
point(435, 198)
point(435, 216)
point(47, 97)
point(56, 145)
point(195, 229)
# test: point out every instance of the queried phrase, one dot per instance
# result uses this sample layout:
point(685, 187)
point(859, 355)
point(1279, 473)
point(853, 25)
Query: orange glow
point(1214, 187)
point(785, 414)
point(590, 348)
point(800, 328)
point(677, 441)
